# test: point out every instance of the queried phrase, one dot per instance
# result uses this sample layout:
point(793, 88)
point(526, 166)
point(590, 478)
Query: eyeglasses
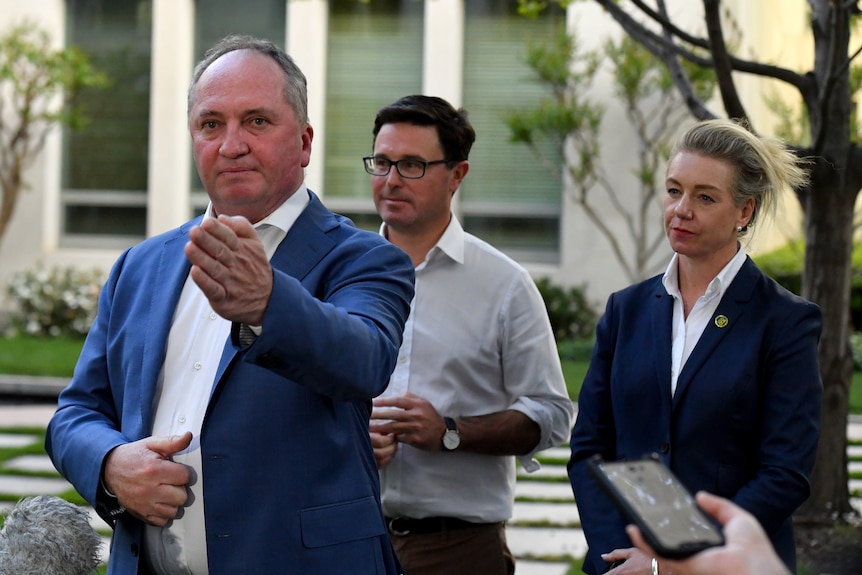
point(410, 169)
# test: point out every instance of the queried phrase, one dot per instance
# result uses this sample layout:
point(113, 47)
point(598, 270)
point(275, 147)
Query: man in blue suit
point(218, 413)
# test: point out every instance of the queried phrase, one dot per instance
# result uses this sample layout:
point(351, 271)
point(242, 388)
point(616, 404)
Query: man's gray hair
point(46, 535)
point(295, 84)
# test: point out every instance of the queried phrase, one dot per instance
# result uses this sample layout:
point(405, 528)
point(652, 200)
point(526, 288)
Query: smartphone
point(649, 495)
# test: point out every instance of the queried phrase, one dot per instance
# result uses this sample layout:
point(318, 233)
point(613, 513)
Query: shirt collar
point(719, 283)
point(284, 215)
point(451, 243)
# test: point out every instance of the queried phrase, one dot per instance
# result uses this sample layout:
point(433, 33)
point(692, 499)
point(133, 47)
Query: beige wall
point(781, 35)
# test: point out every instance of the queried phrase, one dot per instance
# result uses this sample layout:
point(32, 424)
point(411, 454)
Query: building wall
point(585, 257)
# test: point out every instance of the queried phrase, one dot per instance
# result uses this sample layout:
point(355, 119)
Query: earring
point(738, 229)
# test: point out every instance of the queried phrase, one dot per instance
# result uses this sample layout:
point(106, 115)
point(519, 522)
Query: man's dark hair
point(454, 130)
point(295, 85)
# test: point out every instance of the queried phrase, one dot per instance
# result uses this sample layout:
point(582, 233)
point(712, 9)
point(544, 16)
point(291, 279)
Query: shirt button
point(181, 419)
point(198, 365)
point(213, 315)
point(402, 358)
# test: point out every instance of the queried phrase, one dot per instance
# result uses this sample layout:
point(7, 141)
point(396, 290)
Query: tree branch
point(723, 69)
point(662, 19)
point(658, 45)
point(677, 74)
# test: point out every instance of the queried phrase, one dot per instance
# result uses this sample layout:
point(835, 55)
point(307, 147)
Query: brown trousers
point(478, 550)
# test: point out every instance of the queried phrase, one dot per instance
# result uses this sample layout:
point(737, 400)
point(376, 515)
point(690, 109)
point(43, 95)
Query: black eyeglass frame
point(369, 160)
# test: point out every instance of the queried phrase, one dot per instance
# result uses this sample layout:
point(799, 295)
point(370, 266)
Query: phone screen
point(662, 507)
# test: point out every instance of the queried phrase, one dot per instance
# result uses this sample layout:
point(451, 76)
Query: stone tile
point(545, 490)
point(854, 467)
point(556, 453)
point(40, 463)
point(524, 567)
point(544, 541)
point(36, 415)
point(105, 549)
point(555, 471)
point(854, 451)
point(20, 485)
point(96, 521)
point(854, 431)
point(15, 440)
point(559, 513)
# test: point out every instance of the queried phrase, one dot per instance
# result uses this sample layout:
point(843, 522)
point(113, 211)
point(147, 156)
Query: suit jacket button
point(134, 549)
point(665, 447)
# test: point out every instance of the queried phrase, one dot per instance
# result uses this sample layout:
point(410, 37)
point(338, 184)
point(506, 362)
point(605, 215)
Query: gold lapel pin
point(721, 321)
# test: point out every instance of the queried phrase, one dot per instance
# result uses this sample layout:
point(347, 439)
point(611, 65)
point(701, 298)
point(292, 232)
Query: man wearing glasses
point(478, 380)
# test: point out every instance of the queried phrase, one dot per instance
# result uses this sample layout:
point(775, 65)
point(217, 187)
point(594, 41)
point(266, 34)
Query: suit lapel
point(306, 242)
point(721, 324)
point(662, 339)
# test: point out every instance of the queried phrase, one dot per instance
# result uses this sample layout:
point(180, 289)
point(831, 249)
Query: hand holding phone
point(649, 495)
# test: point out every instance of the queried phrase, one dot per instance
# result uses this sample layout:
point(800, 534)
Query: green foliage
point(785, 264)
point(856, 349)
point(532, 8)
point(59, 301)
point(571, 315)
point(568, 110)
point(570, 118)
point(572, 349)
point(37, 86)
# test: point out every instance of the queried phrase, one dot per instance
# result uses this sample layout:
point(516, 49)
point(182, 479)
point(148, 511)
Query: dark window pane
point(110, 152)
point(101, 220)
point(535, 239)
point(215, 19)
point(374, 58)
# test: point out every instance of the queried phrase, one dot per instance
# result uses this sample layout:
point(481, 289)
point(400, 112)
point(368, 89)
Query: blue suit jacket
point(744, 421)
point(289, 477)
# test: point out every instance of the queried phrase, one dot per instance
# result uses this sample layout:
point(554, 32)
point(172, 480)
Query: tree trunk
point(826, 281)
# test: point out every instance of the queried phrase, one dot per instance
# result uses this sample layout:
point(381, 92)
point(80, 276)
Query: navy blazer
point(289, 477)
point(744, 421)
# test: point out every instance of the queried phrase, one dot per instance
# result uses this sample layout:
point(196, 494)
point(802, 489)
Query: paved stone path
point(544, 523)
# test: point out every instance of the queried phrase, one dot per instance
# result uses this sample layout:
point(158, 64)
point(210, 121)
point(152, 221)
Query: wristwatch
point(451, 439)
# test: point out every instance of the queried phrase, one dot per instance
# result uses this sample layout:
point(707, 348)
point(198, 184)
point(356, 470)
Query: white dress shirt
point(687, 331)
point(195, 343)
point(478, 341)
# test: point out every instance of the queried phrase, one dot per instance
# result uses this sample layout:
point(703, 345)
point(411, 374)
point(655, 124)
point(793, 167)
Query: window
point(374, 58)
point(104, 178)
point(508, 199)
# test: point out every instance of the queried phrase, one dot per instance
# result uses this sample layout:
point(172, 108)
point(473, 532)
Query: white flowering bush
point(53, 302)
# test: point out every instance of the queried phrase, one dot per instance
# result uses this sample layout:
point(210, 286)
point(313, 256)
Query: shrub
point(59, 301)
point(784, 265)
point(856, 349)
point(580, 350)
point(570, 313)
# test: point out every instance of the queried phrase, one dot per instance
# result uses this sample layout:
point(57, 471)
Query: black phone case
point(648, 530)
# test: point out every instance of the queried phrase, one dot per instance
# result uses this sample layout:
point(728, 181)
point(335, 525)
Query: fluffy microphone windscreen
point(46, 535)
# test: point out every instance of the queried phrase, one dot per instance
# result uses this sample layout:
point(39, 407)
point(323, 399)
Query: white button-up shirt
point(195, 343)
point(478, 341)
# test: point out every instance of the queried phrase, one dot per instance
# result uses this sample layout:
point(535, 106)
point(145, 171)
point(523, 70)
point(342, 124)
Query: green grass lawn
point(39, 355)
point(57, 356)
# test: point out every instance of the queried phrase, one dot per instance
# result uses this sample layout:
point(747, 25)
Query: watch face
point(451, 440)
